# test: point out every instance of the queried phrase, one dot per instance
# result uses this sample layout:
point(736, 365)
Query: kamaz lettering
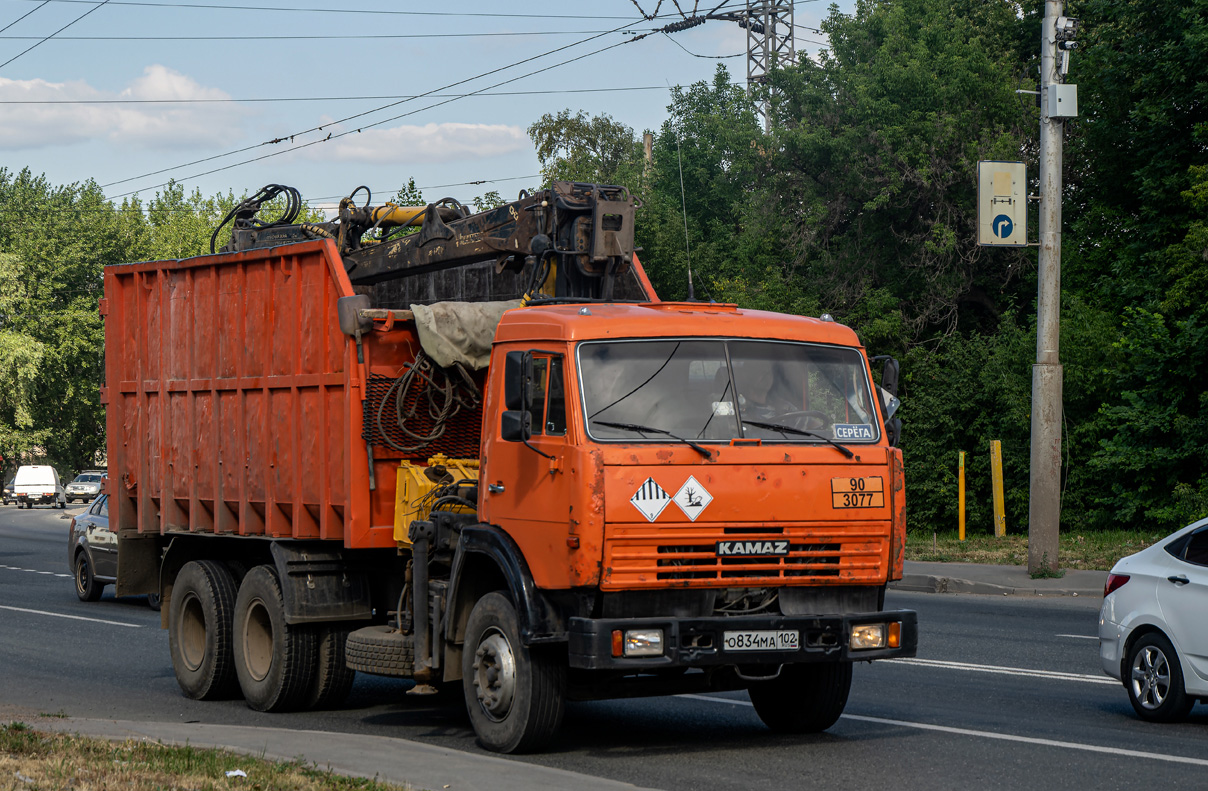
point(752, 548)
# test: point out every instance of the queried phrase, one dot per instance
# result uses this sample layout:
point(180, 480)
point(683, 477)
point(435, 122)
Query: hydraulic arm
point(580, 234)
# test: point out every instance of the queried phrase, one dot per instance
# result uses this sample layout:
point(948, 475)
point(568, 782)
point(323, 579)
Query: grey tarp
point(459, 332)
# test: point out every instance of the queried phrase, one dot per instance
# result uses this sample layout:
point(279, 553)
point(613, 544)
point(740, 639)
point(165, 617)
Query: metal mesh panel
point(462, 431)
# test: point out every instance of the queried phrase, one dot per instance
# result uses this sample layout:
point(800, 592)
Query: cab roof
point(593, 321)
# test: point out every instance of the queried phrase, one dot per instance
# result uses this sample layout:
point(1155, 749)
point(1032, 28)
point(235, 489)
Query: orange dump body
point(236, 406)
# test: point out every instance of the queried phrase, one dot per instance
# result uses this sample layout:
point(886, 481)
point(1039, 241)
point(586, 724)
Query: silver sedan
point(1152, 625)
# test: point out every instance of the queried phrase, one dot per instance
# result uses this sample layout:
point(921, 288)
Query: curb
point(929, 583)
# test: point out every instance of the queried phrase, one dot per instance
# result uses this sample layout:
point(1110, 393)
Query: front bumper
point(698, 642)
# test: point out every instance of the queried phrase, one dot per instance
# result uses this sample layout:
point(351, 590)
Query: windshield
point(87, 479)
point(726, 389)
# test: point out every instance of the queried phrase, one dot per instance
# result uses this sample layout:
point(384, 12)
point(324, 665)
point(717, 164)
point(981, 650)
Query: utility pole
point(769, 26)
point(1058, 102)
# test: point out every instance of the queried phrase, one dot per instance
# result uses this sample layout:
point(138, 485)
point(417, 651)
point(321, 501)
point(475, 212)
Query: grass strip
point(33, 760)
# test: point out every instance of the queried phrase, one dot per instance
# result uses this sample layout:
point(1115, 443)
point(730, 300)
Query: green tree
point(596, 150)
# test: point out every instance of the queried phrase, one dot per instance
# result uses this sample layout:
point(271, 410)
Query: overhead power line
point(332, 98)
point(362, 114)
point(338, 10)
point(323, 37)
point(52, 35)
point(334, 136)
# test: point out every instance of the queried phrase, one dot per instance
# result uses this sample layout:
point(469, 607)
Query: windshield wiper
point(803, 432)
point(648, 430)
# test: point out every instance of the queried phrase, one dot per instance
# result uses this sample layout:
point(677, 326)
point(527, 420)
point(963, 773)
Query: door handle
point(1179, 580)
point(497, 488)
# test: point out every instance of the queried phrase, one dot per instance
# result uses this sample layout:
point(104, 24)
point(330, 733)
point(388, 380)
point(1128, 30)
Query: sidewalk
point(996, 580)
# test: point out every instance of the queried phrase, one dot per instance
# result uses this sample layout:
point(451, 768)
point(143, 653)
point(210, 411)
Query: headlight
point(867, 635)
point(637, 642)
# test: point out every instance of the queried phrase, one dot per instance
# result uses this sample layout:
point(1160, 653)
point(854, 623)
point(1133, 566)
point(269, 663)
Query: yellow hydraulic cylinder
point(1000, 514)
point(389, 216)
point(960, 496)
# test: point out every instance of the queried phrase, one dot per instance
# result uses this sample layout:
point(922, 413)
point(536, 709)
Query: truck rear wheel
point(803, 698)
point(515, 694)
point(275, 662)
point(333, 677)
point(199, 630)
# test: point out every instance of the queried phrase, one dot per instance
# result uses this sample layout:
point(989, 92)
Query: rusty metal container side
point(234, 402)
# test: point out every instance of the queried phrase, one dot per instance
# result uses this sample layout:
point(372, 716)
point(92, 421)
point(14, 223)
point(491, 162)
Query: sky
point(365, 92)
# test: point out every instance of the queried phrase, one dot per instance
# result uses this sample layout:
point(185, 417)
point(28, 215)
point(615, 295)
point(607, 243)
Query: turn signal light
point(895, 635)
point(1114, 581)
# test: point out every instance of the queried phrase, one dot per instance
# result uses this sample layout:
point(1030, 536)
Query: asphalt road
point(1006, 693)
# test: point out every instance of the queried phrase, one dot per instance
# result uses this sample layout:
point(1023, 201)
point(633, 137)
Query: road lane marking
point(1080, 636)
point(1054, 675)
point(73, 617)
point(35, 571)
point(1006, 737)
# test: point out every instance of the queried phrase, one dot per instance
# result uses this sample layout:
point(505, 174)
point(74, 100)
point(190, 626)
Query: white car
point(37, 484)
point(1152, 633)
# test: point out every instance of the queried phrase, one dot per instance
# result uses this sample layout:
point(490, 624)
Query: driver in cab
point(761, 391)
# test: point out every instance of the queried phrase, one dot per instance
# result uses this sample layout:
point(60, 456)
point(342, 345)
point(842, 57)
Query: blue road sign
point(1002, 226)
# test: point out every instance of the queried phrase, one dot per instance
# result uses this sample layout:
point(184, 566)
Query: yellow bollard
point(1000, 515)
point(960, 494)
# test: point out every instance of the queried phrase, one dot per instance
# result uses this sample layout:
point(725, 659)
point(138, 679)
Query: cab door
point(526, 488)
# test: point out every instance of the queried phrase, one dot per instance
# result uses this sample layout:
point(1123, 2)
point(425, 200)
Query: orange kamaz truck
point(476, 450)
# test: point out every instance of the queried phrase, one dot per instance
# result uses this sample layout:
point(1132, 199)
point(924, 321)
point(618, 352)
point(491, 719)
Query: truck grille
point(637, 557)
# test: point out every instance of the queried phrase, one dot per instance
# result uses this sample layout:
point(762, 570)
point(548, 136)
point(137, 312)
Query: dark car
point(92, 552)
point(9, 496)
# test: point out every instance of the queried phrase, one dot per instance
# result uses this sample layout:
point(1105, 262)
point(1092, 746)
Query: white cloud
point(429, 143)
point(163, 126)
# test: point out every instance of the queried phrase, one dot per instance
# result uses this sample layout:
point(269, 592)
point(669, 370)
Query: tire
point(200, 633)
point(803, 698)
point(1154, 679)
point(275, 663)
point(333, 678)
point(86, 585)
point(515, 694)
point(154, 601)
point(380, 651)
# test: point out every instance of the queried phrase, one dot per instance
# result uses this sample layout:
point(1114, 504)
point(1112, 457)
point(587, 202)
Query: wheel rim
point(1150, 677)
point(81, 575)
point(495, 674)
point(257, 640)
point(192, 632)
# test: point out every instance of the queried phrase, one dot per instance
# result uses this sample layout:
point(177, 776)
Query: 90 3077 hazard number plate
point(762, 640)
point(858, 492)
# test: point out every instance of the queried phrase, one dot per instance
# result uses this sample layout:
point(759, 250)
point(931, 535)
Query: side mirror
point(517, 425)
point(893, 431)
point(889, 374)
point(517, 381)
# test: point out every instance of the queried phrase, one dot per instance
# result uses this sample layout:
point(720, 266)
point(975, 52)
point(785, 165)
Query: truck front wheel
point(275, 662)
point(515, 694)
point(803, 698)
point(199, 630)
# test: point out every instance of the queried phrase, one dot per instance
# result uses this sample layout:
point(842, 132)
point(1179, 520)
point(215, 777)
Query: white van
point(37, 484)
